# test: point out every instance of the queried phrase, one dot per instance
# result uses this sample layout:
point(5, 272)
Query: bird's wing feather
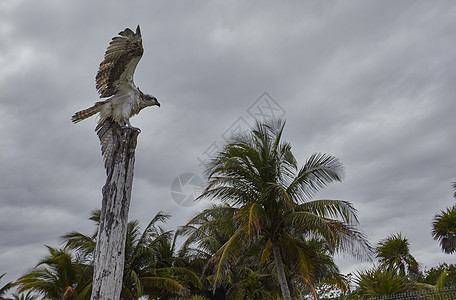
point(106, 132)
point(120, 61)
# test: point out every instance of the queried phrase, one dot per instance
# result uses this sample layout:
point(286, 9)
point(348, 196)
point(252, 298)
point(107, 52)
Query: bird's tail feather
point(86, 113)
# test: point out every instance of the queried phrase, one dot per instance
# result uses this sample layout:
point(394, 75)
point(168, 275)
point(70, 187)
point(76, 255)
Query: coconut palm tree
point(394, 253)
point(150, 265)
point(59, 275)
point(258, 177)
point(444, 227)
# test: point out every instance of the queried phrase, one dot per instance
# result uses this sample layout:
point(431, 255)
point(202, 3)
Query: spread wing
point(120, 61)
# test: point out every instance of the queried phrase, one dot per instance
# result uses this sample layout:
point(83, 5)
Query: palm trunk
point(280, 271)
point(110, 248)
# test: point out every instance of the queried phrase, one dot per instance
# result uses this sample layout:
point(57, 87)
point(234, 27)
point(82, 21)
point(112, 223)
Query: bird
point(114, 80)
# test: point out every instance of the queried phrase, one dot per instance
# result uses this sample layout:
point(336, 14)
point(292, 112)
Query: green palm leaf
point(163, 285)
point(318, 171)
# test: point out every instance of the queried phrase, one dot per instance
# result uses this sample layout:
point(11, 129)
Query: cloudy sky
point(371, 82)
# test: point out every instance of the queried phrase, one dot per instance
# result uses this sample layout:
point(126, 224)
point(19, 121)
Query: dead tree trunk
point(109, 254)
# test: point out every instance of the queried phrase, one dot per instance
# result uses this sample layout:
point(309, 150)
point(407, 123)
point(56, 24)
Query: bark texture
point(110, 249)
point(280, 271)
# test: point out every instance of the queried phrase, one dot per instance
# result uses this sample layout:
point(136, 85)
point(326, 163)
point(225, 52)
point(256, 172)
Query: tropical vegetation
point(444, 227)
point(263, 237)
point(266, 203)
point(5, 288)
point(394, 254)
point(378, 281)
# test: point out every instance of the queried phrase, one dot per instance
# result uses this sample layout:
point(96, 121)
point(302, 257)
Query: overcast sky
point(371, 82)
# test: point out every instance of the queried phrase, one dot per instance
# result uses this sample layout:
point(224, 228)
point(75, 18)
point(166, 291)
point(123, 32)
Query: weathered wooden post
point(109, 254)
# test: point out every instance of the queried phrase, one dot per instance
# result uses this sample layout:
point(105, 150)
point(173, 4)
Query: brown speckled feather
point(119, 64)
point(105, 131)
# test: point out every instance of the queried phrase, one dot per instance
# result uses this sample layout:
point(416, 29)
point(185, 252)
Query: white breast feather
point(119, 107)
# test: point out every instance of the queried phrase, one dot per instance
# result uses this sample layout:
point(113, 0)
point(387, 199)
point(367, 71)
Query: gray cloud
point(369, 82)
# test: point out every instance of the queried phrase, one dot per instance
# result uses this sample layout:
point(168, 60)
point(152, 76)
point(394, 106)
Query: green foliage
point(433, 275)
point(28, 296)
point(394, 253)
point(4, 288)
point(151, 267)
point(267, 206)
point(444, 229)
point(58, 275)
point(266, 220)
point(250, 284)
point(381, 282)
point(198, 297)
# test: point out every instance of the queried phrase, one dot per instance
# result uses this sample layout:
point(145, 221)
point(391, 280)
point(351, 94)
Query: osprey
point(115, 80)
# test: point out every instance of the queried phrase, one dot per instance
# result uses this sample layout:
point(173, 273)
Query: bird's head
point(151, 100)
point(147, 100)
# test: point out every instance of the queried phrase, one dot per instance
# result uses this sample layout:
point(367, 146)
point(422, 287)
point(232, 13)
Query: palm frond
point(6, 287)
point(266, 253)
point(318, 171)
point(352, 241)
point(227, 255)
point(250, 216)
point(310, 223)
point(218, 220)
point(337, 209)
point(162, 285)
point(454, 189)
point(189, 274)
point(444, 229)
point(80, 242)
point(340, 236)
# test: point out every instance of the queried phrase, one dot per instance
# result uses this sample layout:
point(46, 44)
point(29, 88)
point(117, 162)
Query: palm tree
point(150, 265)
point(394, 253)
point(379, 282)
point(444, 227)
point(257, 174)
point(309, 262)
point(59, 275)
